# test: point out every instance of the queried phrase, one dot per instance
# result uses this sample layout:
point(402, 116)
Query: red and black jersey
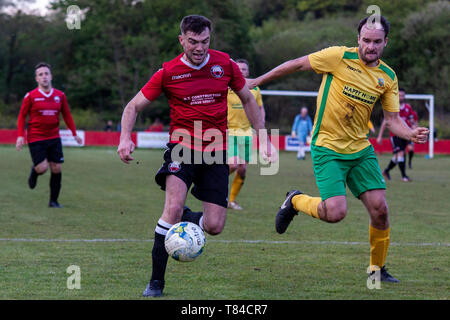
point(43, 109)
point(197, 95)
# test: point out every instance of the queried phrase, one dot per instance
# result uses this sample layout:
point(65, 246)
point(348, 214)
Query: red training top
point(197, 93)
point(43, 109)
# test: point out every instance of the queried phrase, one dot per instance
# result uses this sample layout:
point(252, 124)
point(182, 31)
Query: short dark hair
point(243, 61)
point(383, 21)
point(401, 89)
point(42, 64)
point(195, 23)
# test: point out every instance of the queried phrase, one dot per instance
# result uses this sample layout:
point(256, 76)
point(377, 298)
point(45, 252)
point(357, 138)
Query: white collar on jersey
point(46, 94)
point(193, 66)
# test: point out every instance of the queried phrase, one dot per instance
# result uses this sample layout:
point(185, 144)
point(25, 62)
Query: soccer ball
point(185, 241)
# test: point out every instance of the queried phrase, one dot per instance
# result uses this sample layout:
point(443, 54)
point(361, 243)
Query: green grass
point(106, 199)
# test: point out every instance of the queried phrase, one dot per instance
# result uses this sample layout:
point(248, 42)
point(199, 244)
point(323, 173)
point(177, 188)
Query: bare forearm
point(399, 128)
point(289, 67)
point(128, 120)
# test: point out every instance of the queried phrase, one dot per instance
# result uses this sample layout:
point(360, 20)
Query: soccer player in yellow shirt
point(240, 136)
point(353, 80)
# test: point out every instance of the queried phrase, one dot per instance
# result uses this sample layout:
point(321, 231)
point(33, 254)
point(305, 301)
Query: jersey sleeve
point(258, 97)
point(237, 81)
point(24, 110)
point(390, 100)
point(67, 116)
point(153, 88)
point(326, 60)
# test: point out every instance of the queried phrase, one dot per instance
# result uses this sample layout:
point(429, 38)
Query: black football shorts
point(50, 149)
point(398, 144)
point(210, 180)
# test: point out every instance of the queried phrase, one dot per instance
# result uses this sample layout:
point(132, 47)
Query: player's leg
point(38, 152)
point(175, 197)
point(175, 179)
point(301, 148)
point(331, 206)
point(55, 184)
point(394, 160)
point(240, 159)
point(55, 158)
point(213, 220)
point(379, 232)
point(410, 153)
point(366, 183)
point(401, 159)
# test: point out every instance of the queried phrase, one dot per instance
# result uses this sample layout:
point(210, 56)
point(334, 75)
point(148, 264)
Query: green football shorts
point(240, 146)
point(333, 171)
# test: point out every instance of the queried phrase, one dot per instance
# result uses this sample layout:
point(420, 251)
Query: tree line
point(121, 43)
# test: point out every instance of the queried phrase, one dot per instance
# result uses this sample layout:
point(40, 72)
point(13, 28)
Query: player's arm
point(284, 69)
point(68, 119)
point(126, 145)
point(399, 128)
point(380, 133)
point(24, 110)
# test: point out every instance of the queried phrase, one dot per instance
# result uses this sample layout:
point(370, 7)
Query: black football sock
point(391, 165)
point(159, 253)
point(55, 186)
point(191, 216)
point(401, 165)
point(411, 154)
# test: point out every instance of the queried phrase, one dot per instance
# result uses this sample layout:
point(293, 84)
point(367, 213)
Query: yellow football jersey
point(346, 97)
point(238, 124)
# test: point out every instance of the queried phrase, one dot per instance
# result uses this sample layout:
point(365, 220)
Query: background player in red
point(196, 84)
point(43, 106)
point(399, 144)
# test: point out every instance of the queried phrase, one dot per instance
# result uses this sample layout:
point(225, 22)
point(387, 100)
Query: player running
point(399, 145)
point(353, 80)
point(43, 106)
point(196, 84)
point(240, 136)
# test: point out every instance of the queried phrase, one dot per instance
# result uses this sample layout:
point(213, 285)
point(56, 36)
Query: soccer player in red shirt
point(399, 144)
point(196, 84)
point(43, 106)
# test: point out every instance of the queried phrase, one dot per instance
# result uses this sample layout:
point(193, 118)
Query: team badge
point(217, 71)
point(57, 99)
point(174, 166)
point(380, 83)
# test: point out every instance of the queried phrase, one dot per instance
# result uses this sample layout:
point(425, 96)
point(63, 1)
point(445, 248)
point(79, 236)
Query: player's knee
point(335, 212)
point(173, 211)
point(380, 211)
point(41, 168)
point(213, 227)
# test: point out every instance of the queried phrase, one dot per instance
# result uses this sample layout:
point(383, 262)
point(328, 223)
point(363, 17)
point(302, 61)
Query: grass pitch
point(111, 209)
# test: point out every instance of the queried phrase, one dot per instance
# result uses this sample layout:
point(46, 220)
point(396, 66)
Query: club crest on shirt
point(217, 71)
point(380, 83)
point(57, 99)
point(174, 166)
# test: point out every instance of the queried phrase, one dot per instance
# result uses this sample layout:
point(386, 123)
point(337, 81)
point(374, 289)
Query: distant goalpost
point(428, 98)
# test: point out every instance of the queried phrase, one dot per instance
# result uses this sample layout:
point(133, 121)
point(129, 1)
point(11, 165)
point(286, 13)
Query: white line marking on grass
point(318, 242)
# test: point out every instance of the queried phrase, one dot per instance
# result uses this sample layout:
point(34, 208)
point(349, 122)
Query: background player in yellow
point(240, 136)
point(353, 80)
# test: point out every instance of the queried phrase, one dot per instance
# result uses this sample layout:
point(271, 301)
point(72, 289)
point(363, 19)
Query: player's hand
point(125, 149)
point(420, 135)
point(251, 83)
point(269, 152)
point(78, 139)
point(379, 140)
point(293, 135)
point(19, 143)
